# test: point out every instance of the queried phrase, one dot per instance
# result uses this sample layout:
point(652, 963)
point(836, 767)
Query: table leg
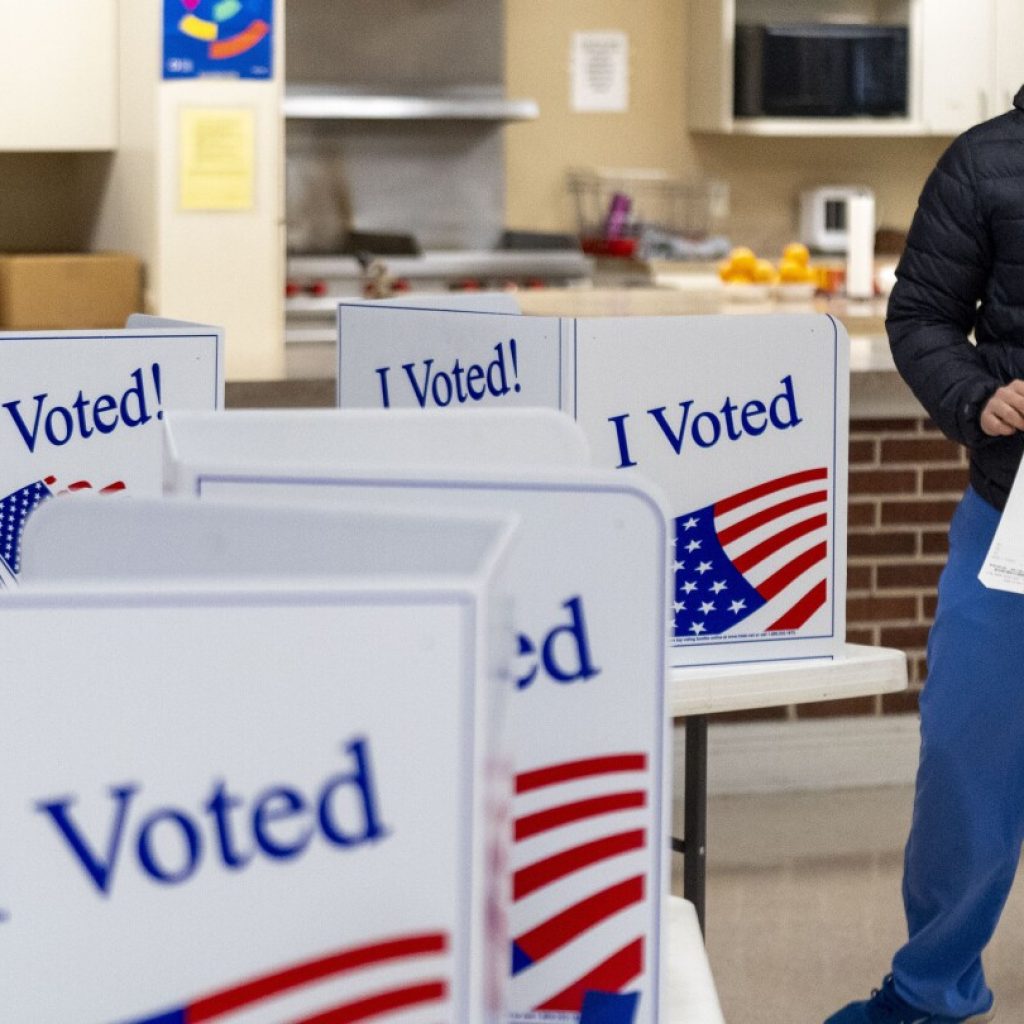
point(695, 813)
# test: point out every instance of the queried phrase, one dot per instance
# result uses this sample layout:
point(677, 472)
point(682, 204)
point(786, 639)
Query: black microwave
point(820, 70)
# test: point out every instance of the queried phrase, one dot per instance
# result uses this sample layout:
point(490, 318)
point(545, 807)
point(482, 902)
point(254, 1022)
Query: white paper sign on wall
point(599, 66)
point(275, 819)
point(743, 423)
point(82, 411)
point(400, 357)
point(588, 716)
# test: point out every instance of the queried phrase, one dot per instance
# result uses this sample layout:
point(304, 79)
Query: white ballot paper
point(1003, 568)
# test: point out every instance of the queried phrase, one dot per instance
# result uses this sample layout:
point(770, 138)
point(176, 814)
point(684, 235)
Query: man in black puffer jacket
point(963, 270)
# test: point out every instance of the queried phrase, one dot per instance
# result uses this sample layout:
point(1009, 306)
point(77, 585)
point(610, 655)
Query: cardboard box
point(73, 291)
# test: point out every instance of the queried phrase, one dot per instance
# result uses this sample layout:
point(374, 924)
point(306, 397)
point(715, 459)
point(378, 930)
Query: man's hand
point(1004, 411)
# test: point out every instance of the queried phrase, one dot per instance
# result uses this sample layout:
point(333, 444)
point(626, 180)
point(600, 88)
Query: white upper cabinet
point(710, 36)
point(1009, 51)
point(973, 61)
point(959, 66)
point(58, 75)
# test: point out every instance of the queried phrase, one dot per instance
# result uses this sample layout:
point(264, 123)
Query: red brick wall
point(905, 481)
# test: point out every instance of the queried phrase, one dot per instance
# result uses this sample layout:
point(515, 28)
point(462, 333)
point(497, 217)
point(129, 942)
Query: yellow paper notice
point(218, 156)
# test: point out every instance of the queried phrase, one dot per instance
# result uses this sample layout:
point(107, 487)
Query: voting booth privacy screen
point(587, 866)
point(82, 411)
point(392, 357)
point(493, 438)
point(252, 800)
point(741, 421)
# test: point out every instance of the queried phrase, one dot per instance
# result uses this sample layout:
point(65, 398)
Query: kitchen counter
point(864, 319)
point(876, 389)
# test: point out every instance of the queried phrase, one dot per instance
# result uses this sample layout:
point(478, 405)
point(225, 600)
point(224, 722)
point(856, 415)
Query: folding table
point(696, 693)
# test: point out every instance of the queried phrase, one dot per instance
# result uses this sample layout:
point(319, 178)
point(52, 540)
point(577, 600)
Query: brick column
point(905, 481)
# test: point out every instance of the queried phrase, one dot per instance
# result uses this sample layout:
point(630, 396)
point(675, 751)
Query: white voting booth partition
point(254, 780)
point(487, 302)
point(397, 357)
point(82, 410)
point(587, 713)
point(742, 422)
point(193, 442)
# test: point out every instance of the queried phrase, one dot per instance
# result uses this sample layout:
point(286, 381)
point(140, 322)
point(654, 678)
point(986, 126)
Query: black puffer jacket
point(963, 269)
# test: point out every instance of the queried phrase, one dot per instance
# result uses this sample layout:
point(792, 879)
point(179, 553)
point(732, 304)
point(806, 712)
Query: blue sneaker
point(885, 1007)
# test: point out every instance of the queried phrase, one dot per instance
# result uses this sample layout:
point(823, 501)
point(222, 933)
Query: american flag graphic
point(14, 511)
point(19, 505)
point(756, 558)
point(396, 979)
point(579, 880)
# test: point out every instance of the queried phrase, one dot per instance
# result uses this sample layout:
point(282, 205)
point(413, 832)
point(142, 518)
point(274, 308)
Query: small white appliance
point(824, 216)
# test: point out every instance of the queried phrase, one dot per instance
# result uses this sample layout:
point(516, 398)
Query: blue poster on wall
point(218, 37)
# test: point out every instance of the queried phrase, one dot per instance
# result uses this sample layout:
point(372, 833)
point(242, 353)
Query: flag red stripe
point(555, 773)
point(803, 609)
point(553, 817)
point(610, 976)
point(313, 970)
point(769, 487)
point(759, 552)
point(382, 1002)
point(554, 933)
point(550, 869)
point(778, 582)
point(742, 528)
point(117, 485)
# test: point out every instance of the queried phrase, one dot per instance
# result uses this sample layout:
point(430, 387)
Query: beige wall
point(765, 175)
point(651, 134)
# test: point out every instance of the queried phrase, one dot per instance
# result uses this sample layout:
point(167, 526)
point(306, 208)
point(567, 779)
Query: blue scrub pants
point(965, 838)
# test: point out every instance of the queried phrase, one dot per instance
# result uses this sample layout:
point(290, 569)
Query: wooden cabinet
point(58, 75)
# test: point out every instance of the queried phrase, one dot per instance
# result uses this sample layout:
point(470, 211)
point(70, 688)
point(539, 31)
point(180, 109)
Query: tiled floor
point(804, 907)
